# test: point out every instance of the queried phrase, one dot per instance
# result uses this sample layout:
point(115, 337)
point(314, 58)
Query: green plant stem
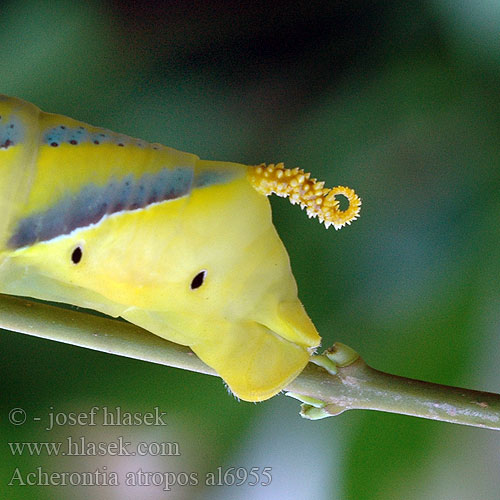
point(356, 386)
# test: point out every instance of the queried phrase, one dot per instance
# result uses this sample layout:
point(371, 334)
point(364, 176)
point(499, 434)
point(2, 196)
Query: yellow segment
point(78, 165)
point(17, 162)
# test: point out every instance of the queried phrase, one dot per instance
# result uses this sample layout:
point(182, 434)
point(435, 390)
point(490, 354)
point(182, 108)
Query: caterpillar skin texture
point(182, 247)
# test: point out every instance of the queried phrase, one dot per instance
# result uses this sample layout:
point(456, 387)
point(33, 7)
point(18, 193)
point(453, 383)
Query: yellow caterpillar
point(182, 247)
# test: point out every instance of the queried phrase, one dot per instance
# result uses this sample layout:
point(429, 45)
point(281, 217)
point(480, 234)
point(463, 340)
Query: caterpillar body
point(182, 247)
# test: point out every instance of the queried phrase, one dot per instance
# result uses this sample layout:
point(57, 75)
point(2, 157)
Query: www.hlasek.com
point(229, 476)
point(82, 447)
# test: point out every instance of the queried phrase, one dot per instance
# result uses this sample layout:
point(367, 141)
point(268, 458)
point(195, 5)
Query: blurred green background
point(400, 101)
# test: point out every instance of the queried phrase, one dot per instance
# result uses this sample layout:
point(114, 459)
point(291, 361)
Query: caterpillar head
point(280, 335)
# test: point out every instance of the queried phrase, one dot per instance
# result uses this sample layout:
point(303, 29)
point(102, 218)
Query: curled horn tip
point(309, 193)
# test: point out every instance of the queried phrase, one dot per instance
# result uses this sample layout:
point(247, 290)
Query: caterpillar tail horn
point(311, 194)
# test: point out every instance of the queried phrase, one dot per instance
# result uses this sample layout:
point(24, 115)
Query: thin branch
point(356, 386)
